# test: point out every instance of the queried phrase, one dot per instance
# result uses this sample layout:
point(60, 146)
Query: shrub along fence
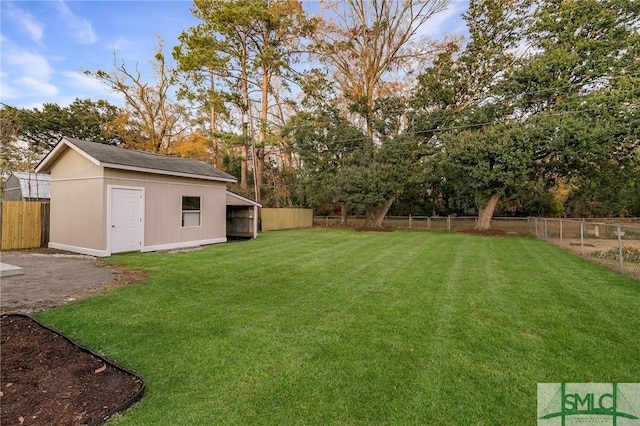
point(25, 224)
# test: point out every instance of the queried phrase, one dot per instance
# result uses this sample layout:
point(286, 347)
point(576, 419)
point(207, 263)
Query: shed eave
point(45, 164)
point(164, 172)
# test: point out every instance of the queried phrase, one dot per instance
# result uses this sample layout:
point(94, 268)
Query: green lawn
point(341, 327)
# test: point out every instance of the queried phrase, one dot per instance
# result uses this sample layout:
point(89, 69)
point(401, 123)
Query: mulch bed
point(45, 379)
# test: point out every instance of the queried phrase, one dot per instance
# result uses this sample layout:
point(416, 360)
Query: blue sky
point(45, 45)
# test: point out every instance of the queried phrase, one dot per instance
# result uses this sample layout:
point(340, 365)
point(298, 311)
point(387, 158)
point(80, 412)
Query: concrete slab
point(7, 270)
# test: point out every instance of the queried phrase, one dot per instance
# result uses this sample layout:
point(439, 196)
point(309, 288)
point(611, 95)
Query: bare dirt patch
point(54, 278)
point(45, 379)
point(491, 232)
point(373, 229)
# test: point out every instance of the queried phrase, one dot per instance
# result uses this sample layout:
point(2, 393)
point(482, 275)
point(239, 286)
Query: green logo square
point(577, 404)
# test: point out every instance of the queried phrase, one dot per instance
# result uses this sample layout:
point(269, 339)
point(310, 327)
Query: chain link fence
point(429, 223)
point(615, 245)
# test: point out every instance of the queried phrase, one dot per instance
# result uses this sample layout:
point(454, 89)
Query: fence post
point(326, 222)
point(546, 235)
point(620, 249)
point(448, 223)
point(560, 232)
point(536, 225)
point(582, 238)
point(409, 221)
point(429, 223)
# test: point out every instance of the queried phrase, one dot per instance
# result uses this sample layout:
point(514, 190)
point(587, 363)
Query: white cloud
point(87, 86)
point(83, 81)
point(24, 74)
point(37, 87)
point(8, 91)
point(120, 43)
point(81, 29)
point(446, 22)
point(26, 22)
point(28, 64)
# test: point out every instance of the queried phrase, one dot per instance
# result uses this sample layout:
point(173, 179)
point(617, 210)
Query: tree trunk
point(262, 134)
point(214, 138)
point(244, 109)
point(243, 168)
point(486, 213)
point(374, 215)
point(258, 171)
point(343, 213)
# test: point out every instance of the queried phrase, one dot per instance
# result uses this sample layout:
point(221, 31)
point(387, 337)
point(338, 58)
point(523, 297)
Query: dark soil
point(493, 232)
point(373, 229)
point(47, 380)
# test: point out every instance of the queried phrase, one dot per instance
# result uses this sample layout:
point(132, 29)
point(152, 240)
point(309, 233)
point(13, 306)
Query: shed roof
point(32, 185)
point(234, 199)
point(114, 157)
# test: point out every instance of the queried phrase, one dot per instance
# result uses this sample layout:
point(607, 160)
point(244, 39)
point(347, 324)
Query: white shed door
point(126, 220)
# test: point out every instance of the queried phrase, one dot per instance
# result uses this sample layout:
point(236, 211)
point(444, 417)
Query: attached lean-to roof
point(113, 157)
point(234, 199)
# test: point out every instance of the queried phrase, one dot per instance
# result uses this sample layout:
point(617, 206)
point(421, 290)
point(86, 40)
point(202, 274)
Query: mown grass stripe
point(343, 327)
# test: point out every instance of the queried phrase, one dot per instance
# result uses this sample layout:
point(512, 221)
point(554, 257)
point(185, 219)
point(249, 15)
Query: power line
point(434, 130)
point(481, 124)
point(61, 128)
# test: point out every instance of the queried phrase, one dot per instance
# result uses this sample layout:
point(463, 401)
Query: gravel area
point(53, 278)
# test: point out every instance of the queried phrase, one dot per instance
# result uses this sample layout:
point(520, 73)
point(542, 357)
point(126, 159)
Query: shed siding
point(77, 213)
point(163, 207)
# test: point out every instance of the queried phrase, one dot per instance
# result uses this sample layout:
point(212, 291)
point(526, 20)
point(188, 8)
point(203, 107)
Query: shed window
point(190, 211)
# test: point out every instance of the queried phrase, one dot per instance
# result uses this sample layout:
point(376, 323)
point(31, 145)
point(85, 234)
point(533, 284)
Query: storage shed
point(106, 199)
point(24, 186)
point(242, 216)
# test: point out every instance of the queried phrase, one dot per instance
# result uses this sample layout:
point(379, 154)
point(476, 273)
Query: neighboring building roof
point(234, 199)
point(32, 185)
point(114, 157)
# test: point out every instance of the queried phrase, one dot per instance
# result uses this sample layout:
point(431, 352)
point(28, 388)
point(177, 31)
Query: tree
point(82, 119)
point(241, 47)
point(491, 163)
point(362, 42)
point(562, 97)
point(460, 111)
point(341, 165)
point(324, 141)
point(203, 71)
point(28, 134)
point(156, 119)
point(194, 145)
point(367, 48)
point(581, 92)
point(13, 154)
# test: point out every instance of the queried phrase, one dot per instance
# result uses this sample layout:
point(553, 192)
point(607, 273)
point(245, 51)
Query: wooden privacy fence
point(274, 219)
point(25, 224)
